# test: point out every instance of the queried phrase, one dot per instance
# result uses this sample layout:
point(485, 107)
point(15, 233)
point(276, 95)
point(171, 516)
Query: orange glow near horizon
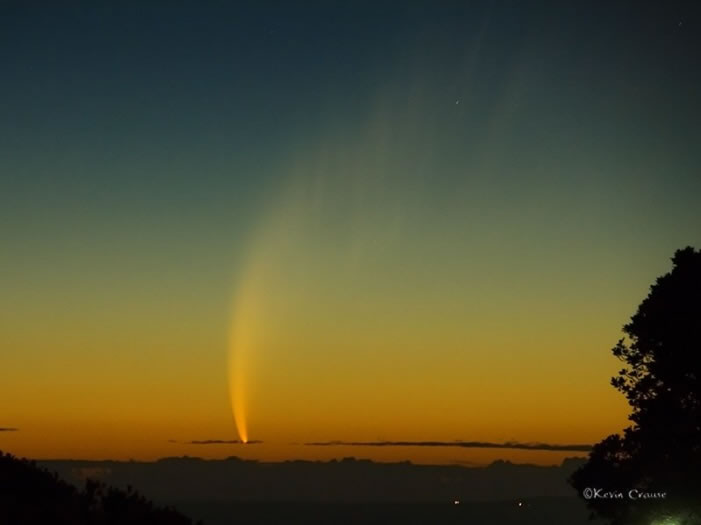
point(363, 311)
point(246, 229)
point(355, 336)
point(342, 327)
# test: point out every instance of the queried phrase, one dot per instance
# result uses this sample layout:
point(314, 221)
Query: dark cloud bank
point(171, 480)
point(460, 444)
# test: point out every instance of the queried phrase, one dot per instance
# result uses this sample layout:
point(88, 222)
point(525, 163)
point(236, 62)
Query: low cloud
point(460, 444)
point(221, 442)
point(8, 429)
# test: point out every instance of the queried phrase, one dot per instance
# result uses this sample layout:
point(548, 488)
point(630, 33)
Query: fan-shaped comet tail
point(241, 341)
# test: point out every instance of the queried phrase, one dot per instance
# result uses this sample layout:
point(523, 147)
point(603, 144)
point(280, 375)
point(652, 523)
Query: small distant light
point(456, 502)
point(520, 503)
point(667, 521)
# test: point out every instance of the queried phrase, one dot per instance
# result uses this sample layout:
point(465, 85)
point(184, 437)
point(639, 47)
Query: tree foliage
point(31, 495)
point(660, 452)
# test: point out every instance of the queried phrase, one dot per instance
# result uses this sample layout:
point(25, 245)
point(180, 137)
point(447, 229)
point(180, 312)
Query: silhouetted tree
point(661, 451)
point(31, 495)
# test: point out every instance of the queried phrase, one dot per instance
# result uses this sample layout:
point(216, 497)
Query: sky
point(305, 223)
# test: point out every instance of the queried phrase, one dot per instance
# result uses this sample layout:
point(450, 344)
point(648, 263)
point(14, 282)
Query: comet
point(242, 342)
point(320, 196)
point(247, 322)
point(240, 348)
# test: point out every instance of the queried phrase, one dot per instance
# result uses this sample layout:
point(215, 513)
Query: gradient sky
point(365, 222)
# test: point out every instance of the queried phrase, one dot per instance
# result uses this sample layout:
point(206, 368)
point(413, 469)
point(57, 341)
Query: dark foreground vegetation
point(33, 495)
point(659, 454)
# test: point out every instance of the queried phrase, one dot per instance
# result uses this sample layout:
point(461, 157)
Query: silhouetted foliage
point(661, 451)
point(32, 495)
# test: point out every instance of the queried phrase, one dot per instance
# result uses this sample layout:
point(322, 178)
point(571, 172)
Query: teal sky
point(535, 165)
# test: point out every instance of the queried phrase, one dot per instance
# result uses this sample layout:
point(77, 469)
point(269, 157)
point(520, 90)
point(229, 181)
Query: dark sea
point(551, 511)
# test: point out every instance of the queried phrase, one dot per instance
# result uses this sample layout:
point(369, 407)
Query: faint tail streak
point(246, 336)
point(241, 342)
